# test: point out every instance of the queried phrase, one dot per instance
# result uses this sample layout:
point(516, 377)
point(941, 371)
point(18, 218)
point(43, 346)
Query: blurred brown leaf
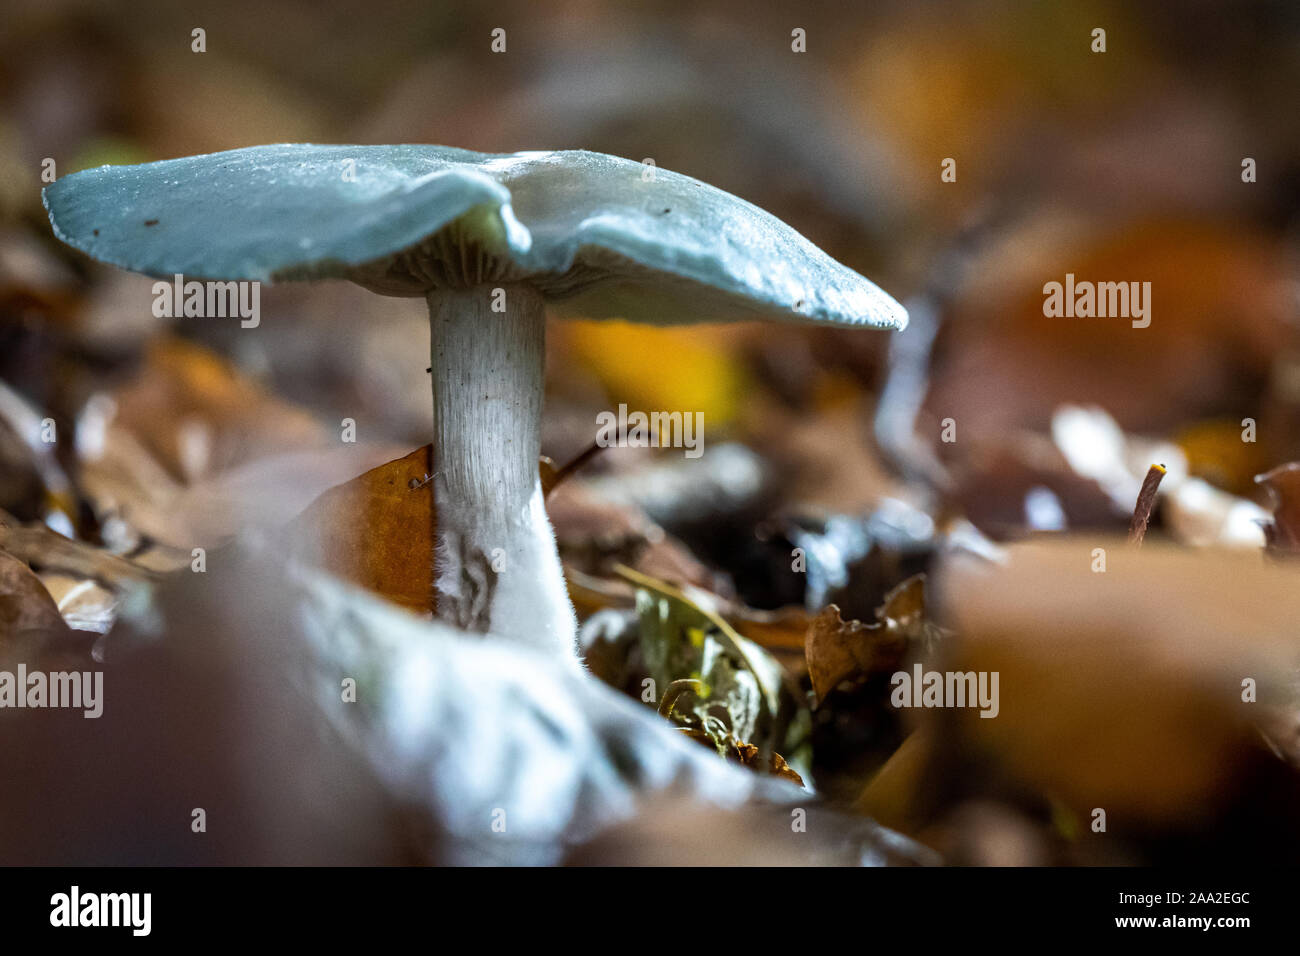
point(37, 544)
point(1219, 312)
point(894, 795)
point(197, 415)
point(1121, 689)
point(27, 611)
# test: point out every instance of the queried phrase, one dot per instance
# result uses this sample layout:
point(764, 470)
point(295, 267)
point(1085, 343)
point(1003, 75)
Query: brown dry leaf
point(27, 612)
point(32, 474)
point(196, 415)
point(837, 650)
point(191, 451)
point(749, 756)
point(1283, 482)
point(746, 754)
point(376, 530)
point(904, 606)
point(554, 475)
point(1124, 689)
point(1192, 510)
point(591, 594)
point(833, 647)
point(35, 543)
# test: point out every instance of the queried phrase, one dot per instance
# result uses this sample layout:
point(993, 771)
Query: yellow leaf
point(652, 368)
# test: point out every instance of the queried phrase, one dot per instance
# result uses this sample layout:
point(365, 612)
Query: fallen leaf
point(1123, 690)
point(37, 544)
point(197, 415)
point(751, 756)
point(1216, 453)
point(837, 650)
point(782, 633)
point(27, 611)
point(376, 531)
point(1193, 510)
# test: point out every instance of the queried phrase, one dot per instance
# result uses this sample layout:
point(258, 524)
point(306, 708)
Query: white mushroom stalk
point(496, 567)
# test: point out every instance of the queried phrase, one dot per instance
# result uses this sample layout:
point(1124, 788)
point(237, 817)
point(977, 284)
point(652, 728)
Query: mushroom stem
point(496, 565)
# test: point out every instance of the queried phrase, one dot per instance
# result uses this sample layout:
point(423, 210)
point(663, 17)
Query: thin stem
point(496, 566)
point(1137, 529)
point(487, 393)
point(556, 476)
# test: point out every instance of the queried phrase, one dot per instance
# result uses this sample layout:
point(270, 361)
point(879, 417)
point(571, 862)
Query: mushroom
point(489, 241)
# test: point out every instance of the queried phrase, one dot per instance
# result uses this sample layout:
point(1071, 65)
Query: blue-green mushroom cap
point(596, 235)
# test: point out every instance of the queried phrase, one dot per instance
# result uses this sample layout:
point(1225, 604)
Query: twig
point(549, 482)
point(1137, 529)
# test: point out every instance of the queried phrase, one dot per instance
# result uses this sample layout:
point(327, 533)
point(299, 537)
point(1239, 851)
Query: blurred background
point(1122, 165)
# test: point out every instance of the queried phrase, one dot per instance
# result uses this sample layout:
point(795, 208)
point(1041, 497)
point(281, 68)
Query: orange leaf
point(377, 530)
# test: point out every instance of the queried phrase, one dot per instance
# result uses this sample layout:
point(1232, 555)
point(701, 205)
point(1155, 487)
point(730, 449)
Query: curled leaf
point(26, 608)
point(751, 756)
point(837, 650)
